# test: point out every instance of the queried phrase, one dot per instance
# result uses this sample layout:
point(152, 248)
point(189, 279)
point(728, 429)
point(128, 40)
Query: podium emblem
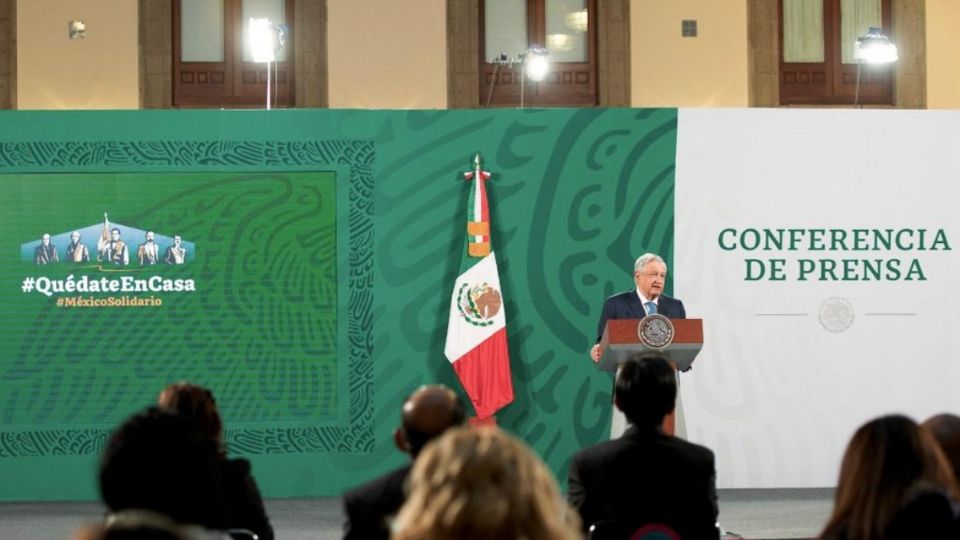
point(655, 331)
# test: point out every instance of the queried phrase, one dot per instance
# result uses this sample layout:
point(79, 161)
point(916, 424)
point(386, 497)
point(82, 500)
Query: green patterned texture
point(575, 196)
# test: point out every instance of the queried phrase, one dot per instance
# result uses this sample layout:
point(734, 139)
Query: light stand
point(536, 64)
point(281, 41)
point(856, 91)
point(268, 84)
point(523, 80)
point(266, 40)
point(500, 61)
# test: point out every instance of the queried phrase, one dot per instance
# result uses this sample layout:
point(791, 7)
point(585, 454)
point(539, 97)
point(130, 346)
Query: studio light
point(875, 49)
point(263, 39)
point(536, 63)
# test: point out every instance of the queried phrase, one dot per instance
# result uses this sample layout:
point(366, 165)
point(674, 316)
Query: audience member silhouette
point(646, 477)
point(946, 430)
point(158, 461)
point(482, 484)
point(426, 414)
point(895, 484)
point(244, 505)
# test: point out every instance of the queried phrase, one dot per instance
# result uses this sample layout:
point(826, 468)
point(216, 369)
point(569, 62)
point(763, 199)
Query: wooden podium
point(621, 340)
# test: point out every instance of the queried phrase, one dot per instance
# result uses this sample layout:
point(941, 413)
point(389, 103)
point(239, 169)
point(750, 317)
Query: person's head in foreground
point(894, 483)
point(481, 483)
point(946, 430)
point(157, 460)
point(646, 390)
point(427, 413)
point(196, 403)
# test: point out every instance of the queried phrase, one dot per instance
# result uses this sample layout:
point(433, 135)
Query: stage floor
point(752, 513)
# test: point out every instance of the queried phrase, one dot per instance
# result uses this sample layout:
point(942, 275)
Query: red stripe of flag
point(484, 373)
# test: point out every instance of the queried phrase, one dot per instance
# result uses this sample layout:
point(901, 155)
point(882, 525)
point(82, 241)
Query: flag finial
point(476, 159)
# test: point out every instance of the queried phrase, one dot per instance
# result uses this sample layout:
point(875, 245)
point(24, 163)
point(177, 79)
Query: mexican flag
point(477, 328)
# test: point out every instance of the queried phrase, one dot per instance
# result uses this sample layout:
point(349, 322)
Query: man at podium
point(649, 273)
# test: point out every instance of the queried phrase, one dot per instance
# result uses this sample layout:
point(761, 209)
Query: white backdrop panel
point(774, 393)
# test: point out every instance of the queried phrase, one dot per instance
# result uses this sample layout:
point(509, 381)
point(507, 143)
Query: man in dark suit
point(647, 477)
point(427, 413)
point(649, 273)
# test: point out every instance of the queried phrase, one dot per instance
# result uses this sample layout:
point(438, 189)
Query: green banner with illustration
point(299, 263)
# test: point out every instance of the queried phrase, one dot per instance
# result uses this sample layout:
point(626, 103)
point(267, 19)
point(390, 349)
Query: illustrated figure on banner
point(175, 254)
point(46, 253)
point(148, 253)
point(111, 249)
point(77, 252)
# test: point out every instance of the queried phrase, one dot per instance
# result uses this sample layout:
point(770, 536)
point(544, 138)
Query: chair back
point(619, 529)
point(241, 534)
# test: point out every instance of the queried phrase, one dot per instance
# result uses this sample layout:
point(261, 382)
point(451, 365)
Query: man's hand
point(595, 354)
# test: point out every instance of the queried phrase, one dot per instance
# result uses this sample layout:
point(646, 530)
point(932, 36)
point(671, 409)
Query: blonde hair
point(480, 483)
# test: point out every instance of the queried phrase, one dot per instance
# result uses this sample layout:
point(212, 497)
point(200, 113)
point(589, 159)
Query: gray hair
point(648, 258)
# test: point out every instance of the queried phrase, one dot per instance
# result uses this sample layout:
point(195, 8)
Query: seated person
point(946, 430)
point(158, 461)
point(646, 477)
point(480, 483)
point(426, 414)
point(894, 484)
point(241, 495)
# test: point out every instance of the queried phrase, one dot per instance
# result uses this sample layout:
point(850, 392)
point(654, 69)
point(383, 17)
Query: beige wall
point(99, 72)
point(668, 70)
point(943, 54)
point(398, 60)
point(387, 54)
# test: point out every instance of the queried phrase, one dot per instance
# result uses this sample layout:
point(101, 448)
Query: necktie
point(651, 307)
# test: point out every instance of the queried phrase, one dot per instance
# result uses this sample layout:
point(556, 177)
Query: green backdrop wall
point(327, 243)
